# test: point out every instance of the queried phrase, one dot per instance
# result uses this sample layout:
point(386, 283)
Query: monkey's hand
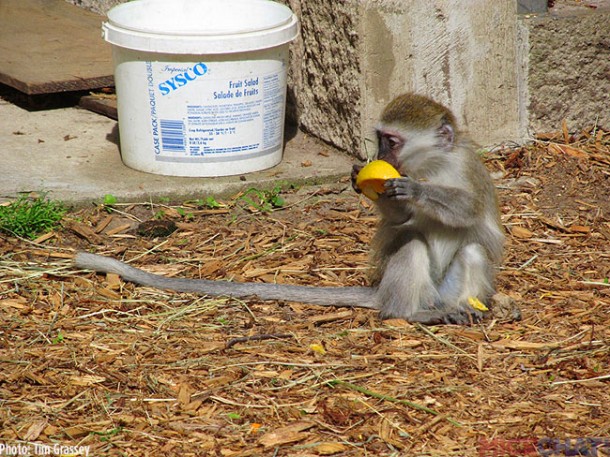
point(355, 170)
point(403, 188)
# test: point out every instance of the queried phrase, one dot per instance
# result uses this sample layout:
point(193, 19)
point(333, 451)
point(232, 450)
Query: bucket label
point(215, 112)
point(183, 78)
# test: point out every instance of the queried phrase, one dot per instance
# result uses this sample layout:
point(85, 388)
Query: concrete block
point(568, 69)
point(506, 76)
point(462, 54)
point(353, 57)
point(97, 6)
point(532, 6)
point(325, 79)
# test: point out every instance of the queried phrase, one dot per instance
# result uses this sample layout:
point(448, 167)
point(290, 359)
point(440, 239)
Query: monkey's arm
point(359, 297)
point(452, 206)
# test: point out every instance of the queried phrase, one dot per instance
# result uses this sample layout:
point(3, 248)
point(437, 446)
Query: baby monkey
point(439, 238)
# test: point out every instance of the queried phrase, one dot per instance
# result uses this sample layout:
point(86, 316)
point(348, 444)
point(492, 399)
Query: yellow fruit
point(371, 178)
point(477, 304)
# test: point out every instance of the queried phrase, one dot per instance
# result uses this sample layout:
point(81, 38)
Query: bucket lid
point(200, 26)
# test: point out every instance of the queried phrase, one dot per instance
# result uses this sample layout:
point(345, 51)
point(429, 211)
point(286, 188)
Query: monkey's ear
point(446, 133)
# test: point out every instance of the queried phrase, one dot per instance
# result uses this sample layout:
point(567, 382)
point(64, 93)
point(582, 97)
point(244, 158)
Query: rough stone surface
point(98, 6)
point(326, 73)
point(353, 57)
point(569, 70)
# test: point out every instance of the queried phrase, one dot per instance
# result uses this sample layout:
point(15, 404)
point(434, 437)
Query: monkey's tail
point(360, 297)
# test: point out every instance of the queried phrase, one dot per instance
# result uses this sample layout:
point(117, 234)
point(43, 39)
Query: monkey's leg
point(470, 274)
point(406, 289)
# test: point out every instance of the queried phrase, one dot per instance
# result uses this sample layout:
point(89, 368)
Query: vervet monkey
point(438, 241)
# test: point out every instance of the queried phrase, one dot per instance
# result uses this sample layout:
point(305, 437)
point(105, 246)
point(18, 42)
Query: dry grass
point(89, 360)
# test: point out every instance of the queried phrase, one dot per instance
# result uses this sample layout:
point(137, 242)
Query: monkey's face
point(412, 152)
point(390, 142)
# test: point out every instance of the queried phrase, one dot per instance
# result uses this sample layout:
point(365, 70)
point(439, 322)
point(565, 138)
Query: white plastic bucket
point(201, 84)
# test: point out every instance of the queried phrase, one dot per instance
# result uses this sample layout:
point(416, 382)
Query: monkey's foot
point(437, 317)
point(464, 317)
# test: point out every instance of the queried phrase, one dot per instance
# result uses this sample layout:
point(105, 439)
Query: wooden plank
point(49, 46)
point(104, 105)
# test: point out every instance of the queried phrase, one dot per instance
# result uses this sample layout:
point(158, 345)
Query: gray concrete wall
point(97, 6)
point(355, 56)
point(506, 76)
point(462, 54)
point(568, 69)
point(325, 77)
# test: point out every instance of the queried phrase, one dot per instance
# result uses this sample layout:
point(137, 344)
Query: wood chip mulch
point(88, 360)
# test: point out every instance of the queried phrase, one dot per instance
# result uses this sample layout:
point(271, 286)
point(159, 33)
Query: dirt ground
point(88, 360)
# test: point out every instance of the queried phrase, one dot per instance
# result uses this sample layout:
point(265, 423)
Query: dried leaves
point(87, 359)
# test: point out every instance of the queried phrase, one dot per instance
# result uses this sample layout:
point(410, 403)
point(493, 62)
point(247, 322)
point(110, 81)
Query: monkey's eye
point(394, 142)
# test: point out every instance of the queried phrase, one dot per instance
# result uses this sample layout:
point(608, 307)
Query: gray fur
point(440, 237)
point(359, 297)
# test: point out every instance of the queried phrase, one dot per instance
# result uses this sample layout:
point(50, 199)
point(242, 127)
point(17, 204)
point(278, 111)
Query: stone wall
point(463, 54)
point(569, 70)
point(325, 77)
point(354, 56)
